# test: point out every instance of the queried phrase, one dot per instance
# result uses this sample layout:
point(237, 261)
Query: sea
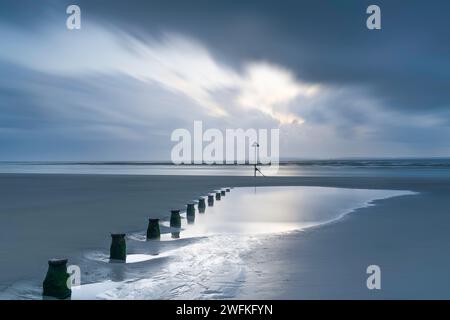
point(433, 167)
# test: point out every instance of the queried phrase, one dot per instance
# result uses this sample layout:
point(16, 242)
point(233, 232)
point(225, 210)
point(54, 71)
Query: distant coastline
point(356, 162)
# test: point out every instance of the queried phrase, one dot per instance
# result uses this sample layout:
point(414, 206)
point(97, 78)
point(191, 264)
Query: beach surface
point(44, 216)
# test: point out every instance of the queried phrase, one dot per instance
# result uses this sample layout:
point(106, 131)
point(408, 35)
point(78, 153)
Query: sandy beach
point(216, 150)
point(45, 216)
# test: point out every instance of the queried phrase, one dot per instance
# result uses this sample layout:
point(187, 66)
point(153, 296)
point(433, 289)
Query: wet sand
point(45, 216)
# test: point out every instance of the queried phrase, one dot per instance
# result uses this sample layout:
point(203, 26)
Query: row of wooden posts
point(56, 280)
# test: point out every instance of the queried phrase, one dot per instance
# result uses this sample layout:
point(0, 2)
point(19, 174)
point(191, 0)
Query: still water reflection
point(206, 257)
point(251, 210)
point(215, 267)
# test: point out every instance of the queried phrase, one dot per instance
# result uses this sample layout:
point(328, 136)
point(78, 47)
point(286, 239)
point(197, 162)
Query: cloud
point(173, 61)
point(137, 70)
point(270, 89)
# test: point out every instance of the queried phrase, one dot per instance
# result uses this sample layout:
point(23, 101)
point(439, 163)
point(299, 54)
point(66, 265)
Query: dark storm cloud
point(404, 69)
point(406, 63)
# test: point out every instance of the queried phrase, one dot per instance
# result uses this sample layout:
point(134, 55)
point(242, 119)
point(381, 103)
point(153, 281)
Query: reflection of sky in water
point(206, 262)
point(277, 209)
point(214, 268)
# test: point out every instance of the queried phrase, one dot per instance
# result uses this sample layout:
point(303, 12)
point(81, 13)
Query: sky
point(137, 70)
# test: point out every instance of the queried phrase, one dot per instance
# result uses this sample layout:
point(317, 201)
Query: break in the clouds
point(137, 70)
point(174, 61)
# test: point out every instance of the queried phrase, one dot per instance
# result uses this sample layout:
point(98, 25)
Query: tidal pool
point(250, 210)
point(206, 257)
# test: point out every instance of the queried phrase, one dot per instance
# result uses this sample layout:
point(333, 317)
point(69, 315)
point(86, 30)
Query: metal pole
point(255, 161)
